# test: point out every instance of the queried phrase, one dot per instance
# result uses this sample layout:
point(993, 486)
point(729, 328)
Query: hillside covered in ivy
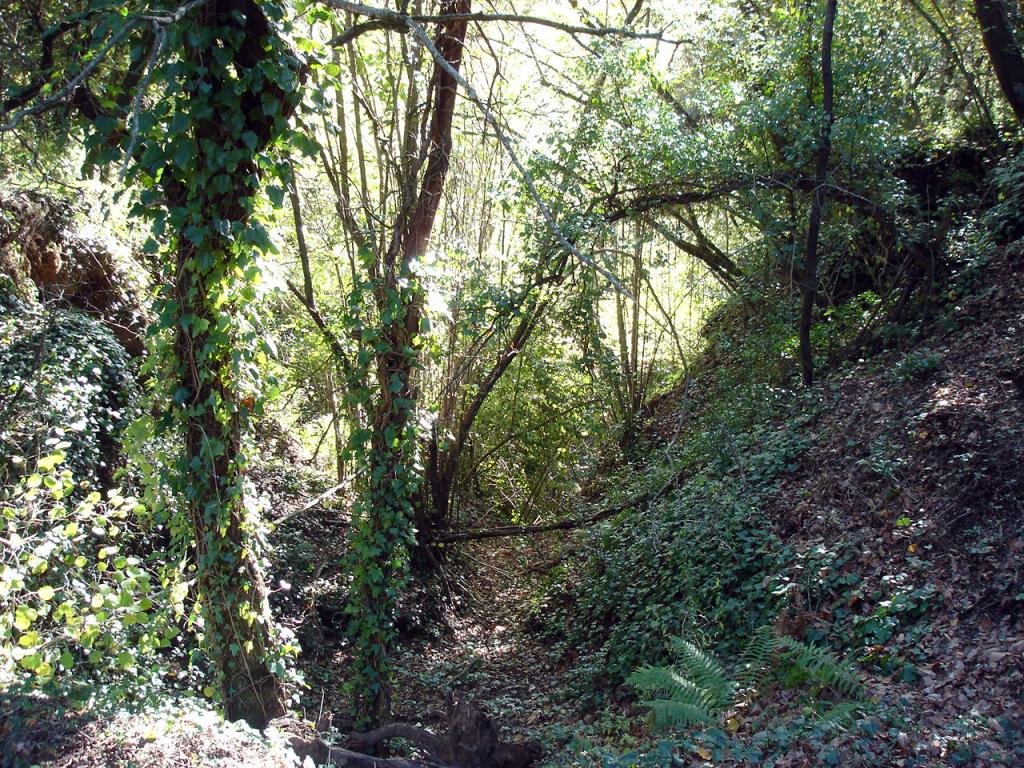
point(465, 384)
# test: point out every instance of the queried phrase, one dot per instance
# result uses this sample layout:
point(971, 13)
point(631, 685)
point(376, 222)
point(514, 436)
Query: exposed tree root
point(470, 742)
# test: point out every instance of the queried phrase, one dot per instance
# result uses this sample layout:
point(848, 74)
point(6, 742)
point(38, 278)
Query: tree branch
point(157, 20)
point(527, 530)
point(421, 36)
point(389, 19)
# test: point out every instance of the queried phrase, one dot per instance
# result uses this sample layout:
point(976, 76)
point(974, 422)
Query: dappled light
point(511, 383)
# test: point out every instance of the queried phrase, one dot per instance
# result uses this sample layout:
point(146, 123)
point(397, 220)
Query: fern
point(821, 666)
point(704, 670)
point(697, 689)
point(756, 658)
point(668, 713)
point(666, 681)
point(843, 714)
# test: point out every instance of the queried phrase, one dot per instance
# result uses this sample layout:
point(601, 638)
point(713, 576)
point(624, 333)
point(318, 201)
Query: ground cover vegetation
point(451, 383)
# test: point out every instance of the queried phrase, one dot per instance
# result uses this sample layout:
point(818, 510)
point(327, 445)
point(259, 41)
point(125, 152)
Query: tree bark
point(470, 741)
point(1004, 51)
point(231, 584)
point(387, 491)
point(810, 286)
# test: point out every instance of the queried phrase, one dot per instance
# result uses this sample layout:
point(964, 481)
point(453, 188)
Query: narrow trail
point(485, 652)
point(488, 654)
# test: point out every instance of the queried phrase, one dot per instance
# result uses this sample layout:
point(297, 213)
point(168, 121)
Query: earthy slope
point(908, 509)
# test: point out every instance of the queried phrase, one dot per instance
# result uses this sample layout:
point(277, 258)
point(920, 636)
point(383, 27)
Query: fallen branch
point(563, 525)
point(526, 530)
point(309, 505)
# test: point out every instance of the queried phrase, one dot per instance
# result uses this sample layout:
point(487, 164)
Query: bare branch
point(499, 131)
point(394, 19)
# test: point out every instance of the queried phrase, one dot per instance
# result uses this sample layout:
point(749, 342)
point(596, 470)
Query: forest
point(509, 383)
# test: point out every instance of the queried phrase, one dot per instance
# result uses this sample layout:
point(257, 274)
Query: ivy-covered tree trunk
point(385, 512)
point(384, 531)
point(238, 87)
point(230, 582)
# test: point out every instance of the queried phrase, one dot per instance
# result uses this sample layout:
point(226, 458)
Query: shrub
point(75, 608)
point(63, 377)
point(698, 690)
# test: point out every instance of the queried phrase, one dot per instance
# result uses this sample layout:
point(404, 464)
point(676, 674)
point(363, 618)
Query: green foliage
point(76, 606)
point(901, 608)
point(1004, 219)
point(917, 364)
point(819, 667)
point(63, 377)
point(696, 689)
point(700, 560)
point(202, 145)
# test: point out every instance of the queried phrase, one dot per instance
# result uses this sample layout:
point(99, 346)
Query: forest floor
point(905, 516)
point(484, 652)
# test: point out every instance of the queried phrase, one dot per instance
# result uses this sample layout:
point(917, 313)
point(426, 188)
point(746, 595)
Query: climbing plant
point(385, 457)
point(192, 101)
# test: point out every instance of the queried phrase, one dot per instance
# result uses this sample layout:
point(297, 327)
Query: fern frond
point(704, 670)
point(843, 714)
point(696, 689)
point(674, 714)
point(668, 682)
point(823, 667)
point(755, 660)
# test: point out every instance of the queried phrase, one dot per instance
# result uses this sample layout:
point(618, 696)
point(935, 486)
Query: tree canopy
point(458, 277)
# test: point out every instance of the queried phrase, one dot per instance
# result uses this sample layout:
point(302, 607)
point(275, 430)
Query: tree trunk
point(810, 287)
point(387, 508)
point(231, 585)
point(1004, 51)
point(207, 297)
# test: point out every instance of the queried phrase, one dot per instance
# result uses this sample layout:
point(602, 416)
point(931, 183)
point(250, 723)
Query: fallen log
point(471, 741)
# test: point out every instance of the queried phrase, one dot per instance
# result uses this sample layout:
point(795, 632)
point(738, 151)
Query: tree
point(810, 281)
point(240, 83)
point(1004, 50)
point(387, 311)
point(226, 83)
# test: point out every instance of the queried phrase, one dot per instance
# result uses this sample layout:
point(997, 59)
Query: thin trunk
point(810, 286)
point(1003, 51)
point(635, 329)
point(300, 235)
point(339, 442)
